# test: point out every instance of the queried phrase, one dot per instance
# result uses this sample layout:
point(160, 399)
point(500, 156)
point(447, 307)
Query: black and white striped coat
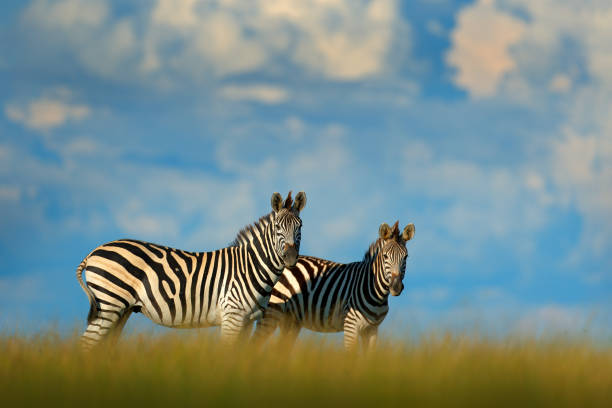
point(326, 296)
point(228, 287)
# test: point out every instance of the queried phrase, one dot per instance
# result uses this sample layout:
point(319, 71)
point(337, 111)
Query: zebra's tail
point(93, 305)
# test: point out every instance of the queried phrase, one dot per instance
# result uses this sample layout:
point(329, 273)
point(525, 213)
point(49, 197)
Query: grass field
point(175, 370)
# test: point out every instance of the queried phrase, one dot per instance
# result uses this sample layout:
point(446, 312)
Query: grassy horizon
point(436, 370)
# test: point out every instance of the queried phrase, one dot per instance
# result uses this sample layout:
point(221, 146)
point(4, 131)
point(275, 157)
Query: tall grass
point(175, 370)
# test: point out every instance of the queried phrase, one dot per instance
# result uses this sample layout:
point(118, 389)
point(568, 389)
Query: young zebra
point(326, 296)
point(228, 287)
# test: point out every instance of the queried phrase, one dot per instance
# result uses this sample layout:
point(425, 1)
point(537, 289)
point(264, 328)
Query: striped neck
point(257, 241)
point(375, 281)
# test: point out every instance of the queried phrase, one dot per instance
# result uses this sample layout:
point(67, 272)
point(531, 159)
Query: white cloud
point(355, 45)
point(189, 209)
point(105, 46)
point(113, 52)
point(344, 40)
point(67, 14)
point(582, 172)
point(47, 112)
point(317, 164)
point(343, 226)
point(560, 83)
point(176, 13)
point(492, 310)
point(484, 202)
point(258, 93)
point(83, 146)
point(496, 52)
point(481, 43)
point(566, 53)
point(576, 155)
point(212, 47)
point(20, 288)
point(179, 208)
point(590, 27)
point(552, 319)
point(328, 157)
point(219, 208)
point(503, 319)
point(295, 126)
point(9, 193)
point(136, 224)
point(201, 41)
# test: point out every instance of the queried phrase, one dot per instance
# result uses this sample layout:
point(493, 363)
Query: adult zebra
point(326, 296)
point(228, 287)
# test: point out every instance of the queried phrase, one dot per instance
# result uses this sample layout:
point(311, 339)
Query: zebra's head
point(394, 254)
point(287, 226)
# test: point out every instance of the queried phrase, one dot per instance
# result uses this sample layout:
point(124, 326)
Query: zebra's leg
point(245, 333)
point(266, 325)
point(289, 332)
point(351, 331)
point(102, 324)
point(233, 323)
point(115, 332)
point(369, 337)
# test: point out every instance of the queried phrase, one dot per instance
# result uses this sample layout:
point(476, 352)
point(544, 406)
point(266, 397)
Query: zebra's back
point(172, 287)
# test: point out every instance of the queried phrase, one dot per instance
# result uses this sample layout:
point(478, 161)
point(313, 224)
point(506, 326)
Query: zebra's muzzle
point(396, 286)
point(290, 255)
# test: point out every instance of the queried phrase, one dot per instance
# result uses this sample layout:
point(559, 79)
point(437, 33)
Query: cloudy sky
point(488, 124)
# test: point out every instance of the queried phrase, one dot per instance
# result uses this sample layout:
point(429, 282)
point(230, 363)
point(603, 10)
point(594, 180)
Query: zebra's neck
point(374, 281)
point(256, 240)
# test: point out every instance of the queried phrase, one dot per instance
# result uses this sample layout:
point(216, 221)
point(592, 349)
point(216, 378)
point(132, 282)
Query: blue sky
point(487, 124)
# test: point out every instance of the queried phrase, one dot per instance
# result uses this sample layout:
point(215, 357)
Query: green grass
point(174, 370)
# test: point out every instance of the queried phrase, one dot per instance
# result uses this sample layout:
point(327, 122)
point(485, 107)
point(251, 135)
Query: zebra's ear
point(277, 202)
point(384, 231)
point(408, 232)
point(300, 202)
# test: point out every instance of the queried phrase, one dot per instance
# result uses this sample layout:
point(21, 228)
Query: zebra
point(326, 296)
point(228, 287)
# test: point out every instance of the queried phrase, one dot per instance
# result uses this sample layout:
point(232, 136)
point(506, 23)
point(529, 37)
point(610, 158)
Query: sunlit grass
point(172, 370)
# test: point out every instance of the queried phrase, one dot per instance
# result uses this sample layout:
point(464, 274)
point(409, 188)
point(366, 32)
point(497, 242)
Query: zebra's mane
point(373, 250)
point(247, 232)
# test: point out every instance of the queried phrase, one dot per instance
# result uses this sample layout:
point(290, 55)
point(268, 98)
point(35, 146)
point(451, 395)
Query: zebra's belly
point(331, 324)
point(186, 324)
point(324, 329)
point(193, 320)
point(208, 318)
